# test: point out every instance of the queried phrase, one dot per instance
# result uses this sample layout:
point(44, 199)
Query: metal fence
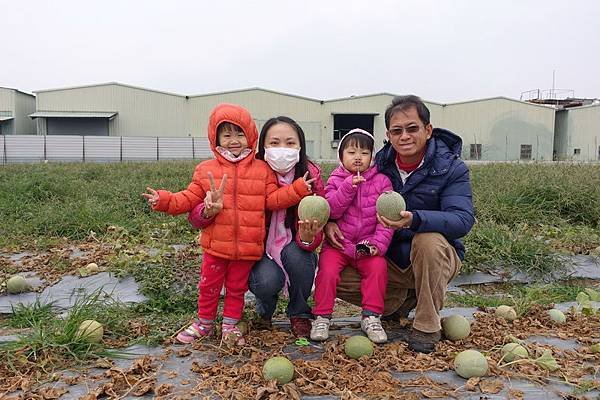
point(71, 148)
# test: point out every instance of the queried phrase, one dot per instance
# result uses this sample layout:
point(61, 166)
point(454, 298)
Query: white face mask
point(282, 159)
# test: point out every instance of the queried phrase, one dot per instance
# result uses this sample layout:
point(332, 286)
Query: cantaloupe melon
point(280, 369)
point(90, 331)
point(314, 208)
point(557, 316)
point(358, 346)
point(506, 312)
point(456, 327)
point(390, 204)
point(17, 284)
point(470, 363)
point(513, 351)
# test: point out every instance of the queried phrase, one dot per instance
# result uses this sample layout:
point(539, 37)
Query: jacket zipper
point(359, 230)
point(235, 213)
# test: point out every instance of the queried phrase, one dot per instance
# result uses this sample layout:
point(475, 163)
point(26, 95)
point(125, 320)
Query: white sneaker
point(372, 327)
point(320, 329)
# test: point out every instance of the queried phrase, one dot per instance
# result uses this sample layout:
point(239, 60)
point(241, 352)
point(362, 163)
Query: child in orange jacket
point(234, 216)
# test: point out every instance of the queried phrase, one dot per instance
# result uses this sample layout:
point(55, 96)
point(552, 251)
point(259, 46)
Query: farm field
point(536, 244)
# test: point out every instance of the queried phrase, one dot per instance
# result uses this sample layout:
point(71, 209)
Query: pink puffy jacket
point(353, 208)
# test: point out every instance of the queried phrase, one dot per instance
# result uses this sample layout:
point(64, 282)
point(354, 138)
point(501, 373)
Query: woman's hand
point(308, 182)
point(307, 230)
point(402, 223)
point(334, 235)
point(213, 201)
point(151, 196)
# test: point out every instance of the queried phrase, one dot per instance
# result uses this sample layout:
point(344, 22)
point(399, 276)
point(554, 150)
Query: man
point(425, 254)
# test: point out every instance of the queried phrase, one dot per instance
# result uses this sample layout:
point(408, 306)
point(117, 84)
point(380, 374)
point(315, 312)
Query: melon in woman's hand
point(314, 208)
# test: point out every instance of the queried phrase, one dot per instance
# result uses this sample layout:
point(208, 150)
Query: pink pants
point(216, 271)
point(373, 282)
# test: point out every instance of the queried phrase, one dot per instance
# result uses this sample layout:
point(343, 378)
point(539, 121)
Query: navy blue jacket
point(438, 193)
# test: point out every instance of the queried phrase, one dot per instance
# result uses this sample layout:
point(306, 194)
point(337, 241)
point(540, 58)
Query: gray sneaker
point(372, 327)
point(320, 329)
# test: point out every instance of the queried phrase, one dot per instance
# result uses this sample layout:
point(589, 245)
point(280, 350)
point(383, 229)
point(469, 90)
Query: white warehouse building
point(494, 129)
point(15, 108)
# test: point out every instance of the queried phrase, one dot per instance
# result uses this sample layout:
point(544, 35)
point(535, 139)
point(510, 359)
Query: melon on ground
point(506, 312)
point(280, 369)
point(17, 284)
point(456, 327)
point(358, 346)
point(390, 204)
point(90, 331)
point(557, 316)
point(514, 351)
point(314, 208)
point(470, 363)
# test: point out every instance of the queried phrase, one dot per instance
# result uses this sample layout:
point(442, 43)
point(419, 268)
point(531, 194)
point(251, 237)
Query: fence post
point(193, 149)
point(157, 150)
point(83, 147)
point(45, 151)
point(121, 148)
point(4, 142)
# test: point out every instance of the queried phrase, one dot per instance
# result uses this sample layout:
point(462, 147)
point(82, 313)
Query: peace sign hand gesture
point(213, 201)
point(308, 182)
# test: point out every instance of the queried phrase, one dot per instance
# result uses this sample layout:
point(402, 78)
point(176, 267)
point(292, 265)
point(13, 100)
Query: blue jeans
point(267, 280)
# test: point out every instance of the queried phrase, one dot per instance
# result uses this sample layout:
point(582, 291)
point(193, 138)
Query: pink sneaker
point(195, 331)
point(232, 335)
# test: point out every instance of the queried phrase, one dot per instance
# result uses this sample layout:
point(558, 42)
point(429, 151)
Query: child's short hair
point(227, 127)
point(359, 138)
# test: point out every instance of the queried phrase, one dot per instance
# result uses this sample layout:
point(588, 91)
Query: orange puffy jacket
point(238, 231)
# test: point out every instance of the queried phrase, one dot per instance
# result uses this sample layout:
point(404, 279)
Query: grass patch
point(525, 213)
point(522, 297)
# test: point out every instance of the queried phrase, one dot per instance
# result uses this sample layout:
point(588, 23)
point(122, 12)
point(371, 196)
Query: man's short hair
point(403, 103)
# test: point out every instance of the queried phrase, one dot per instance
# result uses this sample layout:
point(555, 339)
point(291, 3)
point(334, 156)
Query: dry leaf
point(491, 386)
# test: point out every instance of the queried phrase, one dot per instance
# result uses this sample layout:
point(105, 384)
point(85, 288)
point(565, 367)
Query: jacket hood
point(443, 144)
point(234, 114)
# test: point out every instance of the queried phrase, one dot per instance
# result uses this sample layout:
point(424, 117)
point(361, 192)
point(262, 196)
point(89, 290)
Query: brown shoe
point(300, 327)
point(423, 342)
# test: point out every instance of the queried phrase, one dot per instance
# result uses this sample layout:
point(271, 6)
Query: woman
point(289, 261)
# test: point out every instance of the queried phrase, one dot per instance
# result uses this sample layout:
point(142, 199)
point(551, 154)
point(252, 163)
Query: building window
point(475, 153)
point(344, 123)
point(576, 151)
point(525, 152)
point(598, 153)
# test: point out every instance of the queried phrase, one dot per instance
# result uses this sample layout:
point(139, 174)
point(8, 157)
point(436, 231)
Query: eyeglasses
point(411, 130)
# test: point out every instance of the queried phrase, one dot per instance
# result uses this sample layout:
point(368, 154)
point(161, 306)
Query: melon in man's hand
point(390, 204)
point(314, 208)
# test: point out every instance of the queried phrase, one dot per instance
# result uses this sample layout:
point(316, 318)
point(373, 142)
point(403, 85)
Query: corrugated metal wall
point(141, 112)
point(24, 106)
point(501, 126)
point(580, 128)
point(69, 148)
point(7, 109)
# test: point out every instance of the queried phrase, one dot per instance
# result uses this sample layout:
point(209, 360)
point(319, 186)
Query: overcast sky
point(443, 51)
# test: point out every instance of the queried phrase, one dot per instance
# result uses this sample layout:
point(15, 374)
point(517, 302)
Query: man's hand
point(307, 230)
point(402, 223)
point(334, 235)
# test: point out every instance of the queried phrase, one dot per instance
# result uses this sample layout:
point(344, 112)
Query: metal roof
point(73, 114)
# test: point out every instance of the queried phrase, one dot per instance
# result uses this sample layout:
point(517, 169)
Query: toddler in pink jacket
point(352, 191)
